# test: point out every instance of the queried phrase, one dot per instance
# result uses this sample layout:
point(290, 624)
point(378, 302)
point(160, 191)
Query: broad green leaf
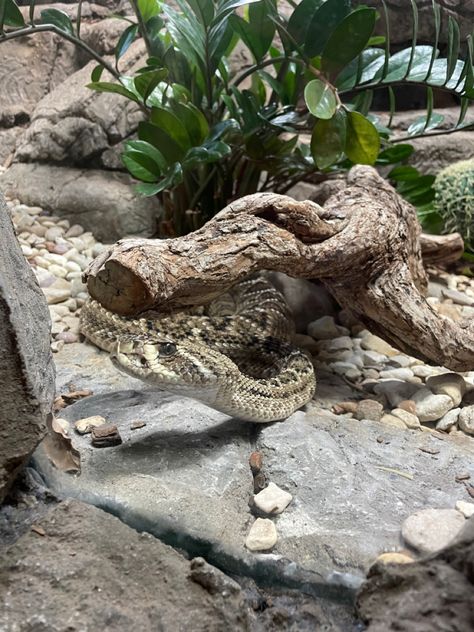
point(141, 165)
point(117, 88)
point(395, 153)
point(172, 178)
point(97, 73)
point(414, 10)
point(203, 10)
point(257, 35)
point(188, 36)
point(11, 14)
point(146, 148)
point(320, 99)
point(403, 173)
point(328, 140)
point(146, 82)
point(228, 6)
point(193, 120)
point(398, 63)
point(60, 19)
point(125, 40)
point(224, 129)
point(148, 8)
point(301, 17)
point(367, 64)
point(154, 25)
point(207, 153)
point(362, 140)
point(324, 21)
point(169, 148)
point(424, 124)
point(348, 39)
point(170, 123)
point(453, 46)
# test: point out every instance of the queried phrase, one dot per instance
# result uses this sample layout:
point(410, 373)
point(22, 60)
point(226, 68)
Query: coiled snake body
point(234, 354)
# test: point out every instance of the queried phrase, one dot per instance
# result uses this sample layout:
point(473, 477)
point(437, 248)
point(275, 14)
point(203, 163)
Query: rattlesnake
point(234, 355)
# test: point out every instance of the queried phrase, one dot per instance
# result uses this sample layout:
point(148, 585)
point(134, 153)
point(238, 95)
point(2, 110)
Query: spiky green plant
point(454, 199)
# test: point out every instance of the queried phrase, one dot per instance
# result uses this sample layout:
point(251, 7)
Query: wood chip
point(464, 476)
point(38, 529)
point(137, 424)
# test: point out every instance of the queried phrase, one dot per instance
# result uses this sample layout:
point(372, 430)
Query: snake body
point(234, 355)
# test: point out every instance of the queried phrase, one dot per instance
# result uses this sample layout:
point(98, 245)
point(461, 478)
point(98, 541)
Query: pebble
point(408, 405)
point(431, 407)
point(374, 343)
point(272, 499)
point(449, 420)
point(372, 358)
point(105, 436)
point(75, 231)
point(458, 297)
point(325, 328)
point(394, 558)
point(430, 530)
point(53, 233)
point(466, 419)
point(58, 292)
point(423, 370)
point(68, 336)
point(342, 368)
point(401, 361)
point(391, 420)
point(450, 384)
point(85, 425)
point(262, 535)
point(397, 374)
point(410, 420)
point(342, 343)
point(467, 509)
point(369, 409)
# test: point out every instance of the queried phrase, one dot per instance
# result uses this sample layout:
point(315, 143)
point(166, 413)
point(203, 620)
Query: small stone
point(467, 509)
point(450, 384)
point(410, 420)
point(371, 374)
point(369, 409)
point(272, 499)
point(458, 297)
point(57, 345)
point(256, 462)
point(431, 407)
point(58, 292)
point(105, 436)
point(401, 361)
point(53, 233)
point(67, 336)
point(374, 343)
point(262, 535)
point(85, 425)
point(408, 405)
point(462, 476)
point(58, 271)
point(353, 374)
point(135, 425)
point(325, 328)
point(423, 370)
point(74, 231)
point(397, 374)
point(430, 530)
point(450, 311)
point(394, 558)
point(341, 368)
point(391, 420)
point(449, 420)
point(372, 358)
point(395, 391)
point(466, 419)
point(343, 343)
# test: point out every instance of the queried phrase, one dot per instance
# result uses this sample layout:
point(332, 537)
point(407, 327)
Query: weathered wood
point(364, 245)
point(443, 249)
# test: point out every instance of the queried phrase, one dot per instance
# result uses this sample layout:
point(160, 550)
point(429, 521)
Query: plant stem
point(141, 27)
point(442, 132)
point(31, 30)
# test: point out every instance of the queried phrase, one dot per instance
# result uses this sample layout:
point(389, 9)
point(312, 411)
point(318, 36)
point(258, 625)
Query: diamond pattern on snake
point(234, 354)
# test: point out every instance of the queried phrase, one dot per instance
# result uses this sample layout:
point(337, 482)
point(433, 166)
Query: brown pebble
point(380, 439)
point(464, 476)
point(344, 407)
point(105, 436)
point(137, 424)
point(72, 396)
point(469, 489)
point(408, 405)
point(256, 462)
point(369, 409)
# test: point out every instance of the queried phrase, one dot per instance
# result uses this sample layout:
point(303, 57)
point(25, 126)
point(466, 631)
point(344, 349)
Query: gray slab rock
point(103, 202)
point(26, 367)
point(89, 571)
point(184, 476)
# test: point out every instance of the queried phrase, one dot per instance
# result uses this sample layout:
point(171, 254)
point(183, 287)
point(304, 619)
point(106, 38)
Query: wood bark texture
point(364, 245)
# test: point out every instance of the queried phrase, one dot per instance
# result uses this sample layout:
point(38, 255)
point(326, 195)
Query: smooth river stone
point(430, 530)
point(262, 535)
point(272, 499)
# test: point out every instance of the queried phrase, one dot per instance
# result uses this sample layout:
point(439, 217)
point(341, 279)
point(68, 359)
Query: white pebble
point(466, 419)
point(272, 499)
point(423, 370)
point(450, 384)
point(397, 374)
point(342, 343)
point(401, 360)
point(325, 328)
point(410, 421)
point(372, 358)
point(341, 368)
point(430, 530)
point(467, 509)
point(74, 231)
point(449, 420)
point(58, 271)
point(85, 425)
point(262, 535)
point(374, 343)
point(429, 406)
point(53, 233)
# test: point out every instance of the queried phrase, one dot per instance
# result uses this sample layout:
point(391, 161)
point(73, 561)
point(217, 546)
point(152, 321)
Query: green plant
point(300, 110)
point(454, 200)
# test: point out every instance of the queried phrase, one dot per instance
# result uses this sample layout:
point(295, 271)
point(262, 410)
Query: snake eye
point(143, 361)
point(167, 349)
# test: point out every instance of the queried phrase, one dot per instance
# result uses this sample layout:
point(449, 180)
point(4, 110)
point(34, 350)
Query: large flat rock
point(185, 478)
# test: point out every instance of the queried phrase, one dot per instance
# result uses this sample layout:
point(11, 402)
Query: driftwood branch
point(364, 245)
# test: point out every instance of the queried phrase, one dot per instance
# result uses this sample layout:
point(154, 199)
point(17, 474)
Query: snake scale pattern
point(234, 355)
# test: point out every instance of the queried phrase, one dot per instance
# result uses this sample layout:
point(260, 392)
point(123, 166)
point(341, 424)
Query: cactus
point(454, 199)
